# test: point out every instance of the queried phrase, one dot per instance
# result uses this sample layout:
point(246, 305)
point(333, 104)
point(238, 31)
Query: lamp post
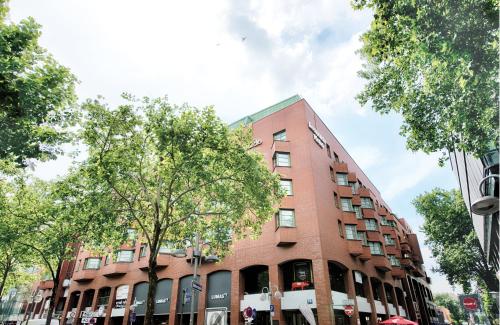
point(268, 292)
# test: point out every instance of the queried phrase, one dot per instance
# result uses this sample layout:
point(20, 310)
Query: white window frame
point(120, 256)
point(88, 263)
point(282, 159)
point(348, 204)
point(342, 179)
point(376, 248)
point(351, 232)
point(283, 222)
point(286, 185)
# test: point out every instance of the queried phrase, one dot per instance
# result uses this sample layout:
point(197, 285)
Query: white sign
point(358, 277)
point(255, 143)
point(122, 292)
point(89, 314)
point(216, 316)
point(219, 296)
point(308, 314)
point(320, 140)
point(162, 300)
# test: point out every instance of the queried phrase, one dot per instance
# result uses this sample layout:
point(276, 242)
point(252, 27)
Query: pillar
point(109, 307)
point(373, 316)
point(236, 295)
point(275, 279)
point(173, 303)
point(351, 294)
point(128, 304)
point(202, 299)
point(323, 291)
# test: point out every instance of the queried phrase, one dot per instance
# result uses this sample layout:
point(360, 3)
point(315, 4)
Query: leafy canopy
point(448, 301)
point(452, 240)
point(36, 95)
point(435, 63)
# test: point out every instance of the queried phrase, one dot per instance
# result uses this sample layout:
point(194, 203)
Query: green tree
point(452, 240)
point(51, 218)
point(176, 171)
point(435, 63)
point(36, 95)
point(448, 301)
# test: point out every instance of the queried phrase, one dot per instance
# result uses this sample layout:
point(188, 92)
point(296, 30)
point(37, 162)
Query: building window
point(342, 179)
point(144, 250)
point(131, 234)
point(341, 231)
point(286, 185)
point(336, 157)
point(389, 240)
point(286, 218)
point(346, 204)
point(124, 256)
point(107, 260)
point(78, 265)
point(357, 209)
point(282, 159)
point(92, 263)
point(336, 200)
point(383, 221)
point(354, 187)
point(362, 237)
point(366, 203)
point(392, 223)
point(328, 152)
point(350, 232)
point(166, 248)
point(358, 284)
point(394, 260)
point(375, 248)
point(332, 174)
point(371, 224)
point(280, 136)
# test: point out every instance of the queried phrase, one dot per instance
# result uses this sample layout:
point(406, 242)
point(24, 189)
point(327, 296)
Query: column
point(109, 307)
point(65, 309)
point(173, 303)
point(323, 292)
point(384, 300)
point(78, 308)
point(373, 315)
point(275, 279)
point(409, 296)
point(129, 303)
point(93, 306)
point(202, 300)
point(351, 294)
point(236, 296)
point(396, 299)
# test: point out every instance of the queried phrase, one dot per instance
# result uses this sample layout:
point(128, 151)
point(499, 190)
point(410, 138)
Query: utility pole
point(196, 256)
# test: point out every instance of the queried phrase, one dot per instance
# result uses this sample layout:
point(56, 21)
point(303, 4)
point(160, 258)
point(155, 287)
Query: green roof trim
point(265, 112)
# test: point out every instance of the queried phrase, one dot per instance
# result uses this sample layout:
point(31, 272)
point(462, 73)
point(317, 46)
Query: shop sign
point(255, 143)
point(120, 303)
point(89, 314)
point(320, 140)
point(216, 316)
point(89, 320)
point(219, 296)
point(162, 300)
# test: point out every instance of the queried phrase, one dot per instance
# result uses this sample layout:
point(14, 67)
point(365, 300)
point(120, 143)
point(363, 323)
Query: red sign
point(470, 303)
point(247, 312)
point(348, 310)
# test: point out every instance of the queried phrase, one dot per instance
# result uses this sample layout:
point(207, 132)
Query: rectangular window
point(375, 248)
point(336, 200)
point(124, 256)
point(107, 260)
point(328, 152)
point(286, 218)
point(286, 185)
point(131, 234)
point(144, 250)
point(166, 248)
point(336, 157)
point(342, 179)
point(371, 224)
point(351, 232)
point(366, 203)
point(383, 221)
point(354, 187)
point(92, 263)
point(346, 204)
point(280, 136)
point(362, 237)
point(332, 174)
point(394, 260)
point(389, 240)
point(357, 209)
point(341, 232)
point(282, 159)
point(392, 223)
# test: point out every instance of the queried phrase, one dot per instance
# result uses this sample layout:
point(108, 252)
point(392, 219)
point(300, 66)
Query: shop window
point(346, 204)
point(92, 263)
point(103, 298)
point(388, 293)
point(297, 275)
point(286, 218)
point(342, 179)
point(351, 232)
point(375, 248)
point(371, 224)
point(280, 136)
point(366, 203)
point(282, 159)
point(125, 256)
point(376, 289)
point(357, 209)
point(286, 185)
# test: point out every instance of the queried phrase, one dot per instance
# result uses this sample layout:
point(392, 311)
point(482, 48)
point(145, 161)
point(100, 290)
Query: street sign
point(196, 286)
point(348, 310)
point(247, 312)
point(470, 303)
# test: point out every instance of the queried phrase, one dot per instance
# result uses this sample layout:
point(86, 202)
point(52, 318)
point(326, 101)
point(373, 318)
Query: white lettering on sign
point(139, 302)
point(320, 140)
point(89, 314)
point(219, 296)
point(162, 300)
point(255, 143)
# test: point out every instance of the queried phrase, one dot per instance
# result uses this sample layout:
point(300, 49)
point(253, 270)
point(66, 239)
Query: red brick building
point(334, 242)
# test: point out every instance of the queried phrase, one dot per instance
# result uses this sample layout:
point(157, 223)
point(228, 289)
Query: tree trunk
point(4, 277)
point(53, 296)
point(153, 281)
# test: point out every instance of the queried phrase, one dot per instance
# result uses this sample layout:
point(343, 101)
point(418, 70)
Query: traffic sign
point(247, 312)
point(470, 303)
point(349, 310)
point(196, 286)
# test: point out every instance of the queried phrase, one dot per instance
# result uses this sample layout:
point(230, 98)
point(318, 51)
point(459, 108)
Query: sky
point(239, 56)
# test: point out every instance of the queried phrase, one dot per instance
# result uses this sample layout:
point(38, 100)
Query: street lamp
point(267, 293)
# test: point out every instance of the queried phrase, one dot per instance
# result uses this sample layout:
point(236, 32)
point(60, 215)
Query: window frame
point(276, 159)
point(279, 222)
point(368, 224)
point(358, 212)
point(86, 263)
point(349, 204)
point(364, 200)
point(389, 241)
point(118, 256)
point(290, 187)
point(351, 232)
point(341, 180)
point(277, 135)
point(376, 248)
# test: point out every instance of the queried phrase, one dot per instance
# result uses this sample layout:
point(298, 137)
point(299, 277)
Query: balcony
point(405, 247)
point(407, 263)
point(351, 177)
point(162, 261)
point(392, 250)
point(280, 146)
point(363, 191)
point(386, 229)
point(417, 272)
point(355, 247)
point(254, 301)
point(361, 225)
point(349, 218)
point(397, 272)
point(356, 200)
point(366, 254)
point(340, 167)
point(292, 300)
point(115, 269)
point(374, 236)
point(381, 263)
point(344, 191)
point(285, 236)
point(369, 213)
point(85, 275)
point(47, 284)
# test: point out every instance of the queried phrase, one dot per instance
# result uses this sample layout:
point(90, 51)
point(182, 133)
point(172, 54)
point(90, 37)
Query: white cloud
point(367, 156)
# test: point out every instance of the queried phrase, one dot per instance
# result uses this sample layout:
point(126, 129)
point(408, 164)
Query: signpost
point(196, 286)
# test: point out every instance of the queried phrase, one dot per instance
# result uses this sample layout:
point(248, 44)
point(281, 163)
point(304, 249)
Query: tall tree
point(451, 303)
point(435, 63)
point(452, 240)
point(51, 218)
point(36, 94)
point(176, 171)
